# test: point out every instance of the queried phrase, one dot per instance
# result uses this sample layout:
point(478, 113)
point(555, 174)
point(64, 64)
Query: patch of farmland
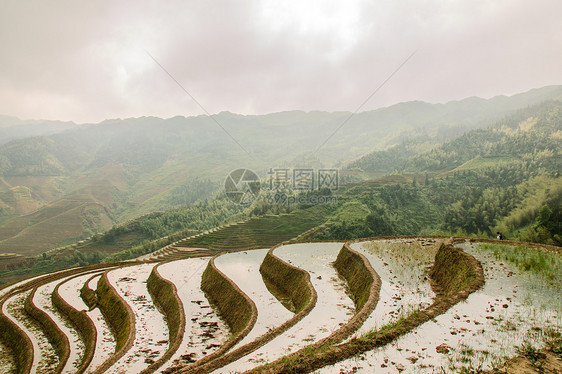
point(205, 332)
point(44, 356)
point(243, 269)
point(7, 364)
point(42, 299)
point(105, 343)
point(333, 307)
point(403, 267)
point(151, 339)
point(511, 310)
point(262, 232)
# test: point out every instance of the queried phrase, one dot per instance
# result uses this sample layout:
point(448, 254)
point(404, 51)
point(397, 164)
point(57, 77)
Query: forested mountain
point(528, 131)
point(502, 178)
point(12, 128)
point(59, 188)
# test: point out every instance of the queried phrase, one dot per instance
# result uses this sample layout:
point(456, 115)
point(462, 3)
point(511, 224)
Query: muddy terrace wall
point(119, 317)
point(364, 285)
point(14, 337)
point(56, 337)
point(273, 265)
point(82, 323)
point(235, 306)
point(450, 286)
point(454, 270)
point(165, 296)
point(88, 295)
point(19, 342)
point(352, 267)
point(289, 284)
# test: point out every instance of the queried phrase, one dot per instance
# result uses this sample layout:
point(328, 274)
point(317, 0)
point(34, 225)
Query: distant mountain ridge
point(95, 175)
point(12, 128)
point(511, 139)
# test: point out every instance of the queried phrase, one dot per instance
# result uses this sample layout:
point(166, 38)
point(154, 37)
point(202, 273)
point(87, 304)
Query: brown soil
point(548, 363)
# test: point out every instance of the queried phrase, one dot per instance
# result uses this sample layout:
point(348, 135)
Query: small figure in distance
point(499, 235)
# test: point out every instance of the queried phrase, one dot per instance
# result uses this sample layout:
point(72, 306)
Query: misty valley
point(417, 238)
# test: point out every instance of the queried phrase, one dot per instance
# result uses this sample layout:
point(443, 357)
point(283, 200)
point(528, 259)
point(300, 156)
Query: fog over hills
point(83, 178)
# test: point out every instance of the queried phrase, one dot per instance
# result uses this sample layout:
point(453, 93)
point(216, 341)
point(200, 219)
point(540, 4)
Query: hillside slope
point(502, 178)
point(130, 167)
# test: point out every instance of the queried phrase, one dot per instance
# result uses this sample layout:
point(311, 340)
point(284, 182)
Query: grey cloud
point(87, 61)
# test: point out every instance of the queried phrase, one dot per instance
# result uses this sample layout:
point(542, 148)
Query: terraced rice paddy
point(403, 266)
point(204, 331)
point(42, 300)
point(481, 333)
point(151, 331)
point(243, 269)
point(333, 307)
point(323, 307)
point(44, 355)
point(105, 343)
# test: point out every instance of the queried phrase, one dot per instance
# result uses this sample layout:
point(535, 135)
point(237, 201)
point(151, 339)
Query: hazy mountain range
point(61, 181)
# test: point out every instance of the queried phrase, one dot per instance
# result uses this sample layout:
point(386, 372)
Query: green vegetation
point(18, 342)
point(67, 186)
point(116, 312)
point(352, 268)
point(466, 187)
point(88, 295)
point(52, 225)
point(82, 323)
point(502, 178)
point(534, 355)
point(235, 307)
point(543, 264)
point(454, 270)
point(165, 297)
point(263, 231)
point(289, 284)
point(554, 342)
point(164, 294)
point(351, 211)
point(136, 238)
point(56, 337)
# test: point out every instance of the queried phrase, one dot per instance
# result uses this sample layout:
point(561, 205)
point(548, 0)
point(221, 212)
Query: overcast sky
point(87, 61)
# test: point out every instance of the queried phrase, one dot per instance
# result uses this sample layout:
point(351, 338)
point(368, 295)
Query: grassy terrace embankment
point(88, 295)
point(364, 286)
point(56, 337)
point(165, 296)
point(234, 306)
point(82, 323)
point(119, 317)
point(13, 336)
point(289, 284)
point(455, 274)
point(357, 272)
point(18, 342)
point(303, 294)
